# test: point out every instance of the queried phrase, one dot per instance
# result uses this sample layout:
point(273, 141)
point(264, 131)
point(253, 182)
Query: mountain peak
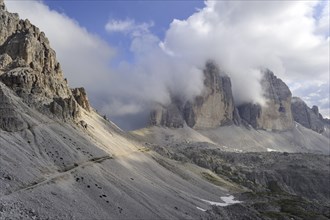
point(276, 113)
point(212, 108)
point(29, 67)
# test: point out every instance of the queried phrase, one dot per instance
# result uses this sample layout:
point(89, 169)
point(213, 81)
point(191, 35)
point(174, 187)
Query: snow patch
point(271, 150)
point(199, 208)
point(227, 200)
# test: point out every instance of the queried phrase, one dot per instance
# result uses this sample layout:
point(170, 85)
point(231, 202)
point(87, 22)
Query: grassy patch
point(212, 179)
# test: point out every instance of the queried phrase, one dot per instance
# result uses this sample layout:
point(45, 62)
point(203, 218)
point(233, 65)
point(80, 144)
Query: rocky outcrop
point(308, 117)
point(29, 67)
point(276, 113)
point(213, 108)
point(81, 97)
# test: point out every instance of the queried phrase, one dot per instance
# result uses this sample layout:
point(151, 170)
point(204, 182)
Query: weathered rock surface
point(10, 119)
point(168, 116)
point(308, 117)
point(213, 108)
point(81, 97)
point(29, 67)
point(276, 113)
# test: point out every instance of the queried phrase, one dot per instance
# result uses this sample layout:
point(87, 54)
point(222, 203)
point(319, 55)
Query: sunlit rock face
point(81, 97)
point(276, 113)
point(29, 67)
point(213, 108)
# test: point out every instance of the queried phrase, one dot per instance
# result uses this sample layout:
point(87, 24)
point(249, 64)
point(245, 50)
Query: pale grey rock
point(213, 108)
point(8, 23)
point(10, 119)
point(81, 97)
point(65, 108)
point(276, 113)
point(5, 61)
point(308, 117)
point(168, 116)
point(29, 67)
point(2, 5)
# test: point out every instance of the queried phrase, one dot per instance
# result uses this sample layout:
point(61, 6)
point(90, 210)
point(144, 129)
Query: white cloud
point(241, 36)
point(128, 26)
point(119, 26)
point(323, 21)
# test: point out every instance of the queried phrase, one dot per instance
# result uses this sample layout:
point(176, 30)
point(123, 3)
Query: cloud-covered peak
point(289, 37)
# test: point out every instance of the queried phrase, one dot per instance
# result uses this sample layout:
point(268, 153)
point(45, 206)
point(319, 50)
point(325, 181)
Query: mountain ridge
point(59, 159)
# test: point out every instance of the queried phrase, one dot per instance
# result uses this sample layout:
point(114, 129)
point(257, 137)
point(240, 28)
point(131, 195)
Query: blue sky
point(93, 15)
point(131, 54)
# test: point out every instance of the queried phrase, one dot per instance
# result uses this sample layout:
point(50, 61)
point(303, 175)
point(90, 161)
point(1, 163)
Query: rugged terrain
point(59, 159)
point(200, 159)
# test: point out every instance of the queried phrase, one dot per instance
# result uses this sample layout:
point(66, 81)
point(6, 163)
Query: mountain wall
point(213, 108)
point(276, 113)
point(308, 117)
point(29, 67)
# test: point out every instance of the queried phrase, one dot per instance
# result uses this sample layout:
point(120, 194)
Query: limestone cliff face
point(213, 108)
point(29, 67)
point(169, 116)
point(276, 113)
point(308, 117)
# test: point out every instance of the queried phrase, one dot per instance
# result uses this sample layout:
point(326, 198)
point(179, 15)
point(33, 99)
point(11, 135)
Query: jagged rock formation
point(29, 67)
point(308, 117)
point(169, 116)
point(213, 108)
point(276, 114)
point(81, 97)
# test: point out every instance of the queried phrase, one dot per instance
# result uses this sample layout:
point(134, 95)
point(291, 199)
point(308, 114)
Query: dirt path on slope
point(71, 168)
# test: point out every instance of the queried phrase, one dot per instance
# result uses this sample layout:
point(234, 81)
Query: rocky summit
point(308, 117)
point(213, 108)
point(275, 114)
point(28, 66)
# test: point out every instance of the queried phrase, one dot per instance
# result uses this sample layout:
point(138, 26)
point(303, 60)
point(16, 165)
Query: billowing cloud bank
point(244, 36)
point(289, 37)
